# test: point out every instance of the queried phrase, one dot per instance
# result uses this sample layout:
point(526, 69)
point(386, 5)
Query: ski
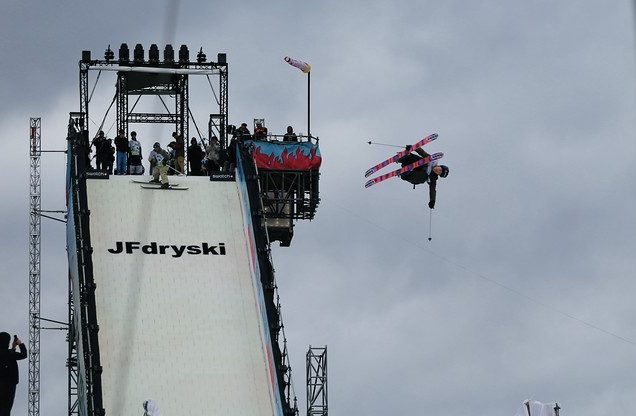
point(171, 187)
point(395, 158)
point(149, 183)
point(404, 169)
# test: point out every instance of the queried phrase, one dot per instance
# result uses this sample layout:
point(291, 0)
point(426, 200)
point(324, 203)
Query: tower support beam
point(34, 266)
point(317, 382)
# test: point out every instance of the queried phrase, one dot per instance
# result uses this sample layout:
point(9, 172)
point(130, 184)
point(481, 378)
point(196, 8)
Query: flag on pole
point(303, 66)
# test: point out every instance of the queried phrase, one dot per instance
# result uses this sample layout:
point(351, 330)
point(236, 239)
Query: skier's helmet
point(154, 146)
point(445, 171)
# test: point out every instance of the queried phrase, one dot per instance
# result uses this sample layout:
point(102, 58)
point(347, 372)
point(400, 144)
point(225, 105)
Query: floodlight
point(153, 54)
point(124, 53)
point(168, 54)
point(184, 54)
point(138, 53)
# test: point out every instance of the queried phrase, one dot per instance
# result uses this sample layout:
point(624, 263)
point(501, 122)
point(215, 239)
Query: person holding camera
point(9, 375)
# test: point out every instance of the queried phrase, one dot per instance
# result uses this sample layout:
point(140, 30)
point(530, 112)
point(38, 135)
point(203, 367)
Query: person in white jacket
point(159, 158)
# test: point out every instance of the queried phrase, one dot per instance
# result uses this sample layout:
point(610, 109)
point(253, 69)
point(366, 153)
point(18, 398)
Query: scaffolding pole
point(34, 267)
point(317, 382)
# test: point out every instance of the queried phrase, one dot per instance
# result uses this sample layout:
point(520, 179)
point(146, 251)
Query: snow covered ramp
point(178, 300)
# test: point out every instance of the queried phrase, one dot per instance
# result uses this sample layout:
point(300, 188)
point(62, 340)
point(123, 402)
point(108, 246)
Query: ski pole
point(430, 221)
point(384, 144)
point(178, 173)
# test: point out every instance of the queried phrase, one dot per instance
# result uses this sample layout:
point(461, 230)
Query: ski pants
point(122, 163)
point(160, 171)
point(7, 394)
point(179, 164)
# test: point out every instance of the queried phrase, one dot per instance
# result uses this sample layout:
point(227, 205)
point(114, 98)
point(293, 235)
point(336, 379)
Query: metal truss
point(180, 91)
point(154, 118)
point(84, 98)
point(34, 267)
point(182, 103)
point(82, 314)
point(317, 400)
point(72, 360)
point(217, 127)
point(290, 194)
point(122, 103)
point(223, 104)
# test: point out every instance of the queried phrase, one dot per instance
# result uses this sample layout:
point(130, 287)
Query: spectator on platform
point(290, 136)
point(98, 142)
point(152, 166)
point(135, 157)
point(243, 133)
point(222, 156)
point(160, 158)
point(121, 146)
point(9, 375)
point(179, 151)
point(173, 155)
point(107, 152)
point(260, 132)
point(230, 162)
point(195, 157)
point(212, 156)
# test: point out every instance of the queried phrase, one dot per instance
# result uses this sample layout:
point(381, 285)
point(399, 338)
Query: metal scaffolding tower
point(162, 78)
point(76, 123)
point(34, 268)
point(317, 382)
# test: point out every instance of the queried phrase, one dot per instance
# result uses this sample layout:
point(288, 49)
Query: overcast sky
point(525, 290)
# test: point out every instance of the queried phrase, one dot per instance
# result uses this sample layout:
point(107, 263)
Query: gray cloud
point(534, 104)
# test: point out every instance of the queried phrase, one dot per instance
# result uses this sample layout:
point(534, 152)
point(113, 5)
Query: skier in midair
point(426, 173)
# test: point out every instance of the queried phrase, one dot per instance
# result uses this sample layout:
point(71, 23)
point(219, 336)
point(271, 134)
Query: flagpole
point(305, 68)
point(308, 103)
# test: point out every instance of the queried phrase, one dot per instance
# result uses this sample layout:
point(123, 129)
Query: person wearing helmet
point(428, 173)
point(159, 158)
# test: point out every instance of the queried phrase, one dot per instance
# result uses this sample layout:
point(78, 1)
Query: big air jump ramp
point(177, 310)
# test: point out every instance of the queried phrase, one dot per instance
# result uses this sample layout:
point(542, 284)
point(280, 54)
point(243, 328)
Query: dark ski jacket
point(106, 152)
point(420, 174)
point(195, 154)
point(9, 364)
point(121, 144)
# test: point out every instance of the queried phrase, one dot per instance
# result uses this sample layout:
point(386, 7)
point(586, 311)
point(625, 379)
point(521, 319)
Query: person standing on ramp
point(159, 157)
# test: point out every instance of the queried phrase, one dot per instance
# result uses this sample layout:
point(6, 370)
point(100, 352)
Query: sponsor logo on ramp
point(96, 174)
point(134, 247)
point(222, 176)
